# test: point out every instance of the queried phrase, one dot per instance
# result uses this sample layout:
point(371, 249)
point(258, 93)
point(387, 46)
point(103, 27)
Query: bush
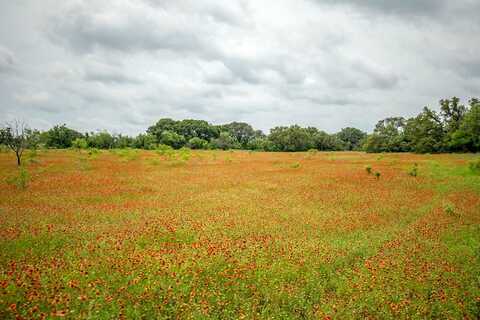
point(225, 141)
point(172, 139)
point(21, 180)
point(368, 169)
point(414, 170)
point(475, 166)
point(449, 209)
point(184, 154)
point(79, 144)
point(166, 151)
point(197, 143)
point(377, 175)
point(295, 165)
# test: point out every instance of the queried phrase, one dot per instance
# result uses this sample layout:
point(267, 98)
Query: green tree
point(351, 137)
point(191, 128)
point(467, 137)
point(101, 140)
point(122, 142)
point(327, 142)
point(293, 138)
point(145, 141)
point(172, 139)
point(242, 132)
point(225, 141)
point(80, 144)
point(60, 137)
point(388, 136)
point(425, 132)
point(18, 137)
point(260, 144)
point(452, 113)
point(165, 124)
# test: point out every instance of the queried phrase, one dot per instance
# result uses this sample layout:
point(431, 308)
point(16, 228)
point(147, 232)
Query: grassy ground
point(136, 234)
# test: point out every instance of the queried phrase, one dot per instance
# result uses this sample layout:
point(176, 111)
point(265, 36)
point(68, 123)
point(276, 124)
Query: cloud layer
point(121, 65)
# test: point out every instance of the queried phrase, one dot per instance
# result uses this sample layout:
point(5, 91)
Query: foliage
point(414, 170)
point(467, 137)
point(197, 143)
point(327, 142)
point(351, 138)
point(162, 125)
point(455, 128)
point(368, 169)
point(101, 140)
point(145, 141)
point(293, 138)
point(425, 132)
point(163, 149)
point(225, 141)
point(449, 209)
point(60, 137)
point(18, 137)
point(190, 128)
point(295, 165)
point(242, 132)
point(388, 136)
point(20, 180)
point(173, 139)
point(474, 166)
point(80, 144)
point(261, 144)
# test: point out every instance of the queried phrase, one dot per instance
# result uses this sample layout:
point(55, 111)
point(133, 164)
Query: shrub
point(368, 169)
point(32, 155)
point(79, 144)
point(164, 150)
point(295, 165)
point(414, 170)
point(475, 166)
point(129, 154)
point(184, 154)
point(377, 175)
point(197, 143)
point(21, 180)
point(449, 209)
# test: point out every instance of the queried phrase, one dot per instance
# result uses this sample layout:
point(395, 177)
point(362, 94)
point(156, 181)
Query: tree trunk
point(18, 159)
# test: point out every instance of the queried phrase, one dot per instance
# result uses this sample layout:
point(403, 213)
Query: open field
point(136, 234)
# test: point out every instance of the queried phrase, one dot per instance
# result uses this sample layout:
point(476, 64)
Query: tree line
point(456, 128)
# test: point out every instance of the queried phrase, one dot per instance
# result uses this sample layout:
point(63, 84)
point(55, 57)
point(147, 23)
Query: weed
point(474, 166)
point(20, 180)
point(184, 154)
point(449, 209)
point(414, 170)
point(295, 165)
point(368, 169)
point(32, 156)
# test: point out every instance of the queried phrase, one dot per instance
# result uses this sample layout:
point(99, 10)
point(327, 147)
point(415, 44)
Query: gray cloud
point(7, 60)
point(403, 7)
point(121, 65)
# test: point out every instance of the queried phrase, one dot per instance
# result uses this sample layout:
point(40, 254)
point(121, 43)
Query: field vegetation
point(195, 234)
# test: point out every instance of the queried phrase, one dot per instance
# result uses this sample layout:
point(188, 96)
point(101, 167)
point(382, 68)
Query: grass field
point(210, 234)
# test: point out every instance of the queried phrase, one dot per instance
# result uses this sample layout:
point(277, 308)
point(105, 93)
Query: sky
point(120, 65)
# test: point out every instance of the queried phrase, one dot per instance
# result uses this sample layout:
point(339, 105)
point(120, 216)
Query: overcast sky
point(121, 65)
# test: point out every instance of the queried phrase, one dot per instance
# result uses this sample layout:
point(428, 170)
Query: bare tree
point(16, 136)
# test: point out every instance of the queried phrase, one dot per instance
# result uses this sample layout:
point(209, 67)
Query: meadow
point(129, 234)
